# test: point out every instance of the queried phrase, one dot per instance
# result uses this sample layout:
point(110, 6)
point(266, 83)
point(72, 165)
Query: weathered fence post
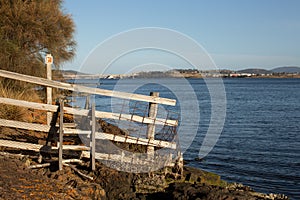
point(87, 102)
point(49, 61)
point(61, 132)
point(151, 127)
point(93, 140)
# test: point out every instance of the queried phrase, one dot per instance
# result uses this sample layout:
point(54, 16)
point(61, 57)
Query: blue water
point(260, 142)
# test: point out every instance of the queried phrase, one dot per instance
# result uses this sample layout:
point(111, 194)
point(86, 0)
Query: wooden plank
point(123, 138)
point(61, 133)
point(39, 147)
point(128, 117)
point(69, 125)
point(39, 166)
point(28, 104)
point(93, 140)
point(134, 140)
point(49, 164)
point(75, 148)
point(25, 146)
point(24, 125)
point(84, 112)
point(72, 161)
point(98, 135)
point(85, 154)
point(70, 131)
point(79, 88)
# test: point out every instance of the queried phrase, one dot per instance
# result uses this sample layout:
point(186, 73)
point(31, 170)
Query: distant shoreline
point(271, 76)
point(190, 73)
point(93, 77)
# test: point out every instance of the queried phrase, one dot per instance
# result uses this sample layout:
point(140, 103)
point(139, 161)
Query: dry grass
point(13, 90)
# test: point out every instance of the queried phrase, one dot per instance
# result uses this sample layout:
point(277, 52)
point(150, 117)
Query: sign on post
point(49, 59)
point(49, 62)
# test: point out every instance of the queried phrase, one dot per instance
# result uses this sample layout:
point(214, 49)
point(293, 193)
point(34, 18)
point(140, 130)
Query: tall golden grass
point(12, 89)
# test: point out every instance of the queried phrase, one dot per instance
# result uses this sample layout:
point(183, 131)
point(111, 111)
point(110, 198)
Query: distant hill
point(291, 69)
point(255, 71)
point(72, 72)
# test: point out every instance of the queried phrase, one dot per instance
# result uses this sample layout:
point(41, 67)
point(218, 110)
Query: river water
point(259, 145)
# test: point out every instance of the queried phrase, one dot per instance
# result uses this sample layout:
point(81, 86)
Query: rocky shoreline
point(76, 181)
point(18, 181)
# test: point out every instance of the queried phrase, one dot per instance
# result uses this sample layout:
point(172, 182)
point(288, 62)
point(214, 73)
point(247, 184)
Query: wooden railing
point(88, 90)
point(87, 151)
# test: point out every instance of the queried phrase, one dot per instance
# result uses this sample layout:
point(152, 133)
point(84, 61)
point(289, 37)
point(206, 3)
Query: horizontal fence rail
point(99, 135)
point(85, 152)
point(25, 125)
point(89, 90)
point(84, 112)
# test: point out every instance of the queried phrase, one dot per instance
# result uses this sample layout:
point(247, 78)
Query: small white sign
point(49, 59)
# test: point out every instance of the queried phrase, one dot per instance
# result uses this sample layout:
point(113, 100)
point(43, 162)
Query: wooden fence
point(88, 151)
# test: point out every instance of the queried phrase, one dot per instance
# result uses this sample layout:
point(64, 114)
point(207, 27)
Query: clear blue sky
point(238, 34)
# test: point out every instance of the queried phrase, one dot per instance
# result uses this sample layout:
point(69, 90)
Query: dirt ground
point(19, 182)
